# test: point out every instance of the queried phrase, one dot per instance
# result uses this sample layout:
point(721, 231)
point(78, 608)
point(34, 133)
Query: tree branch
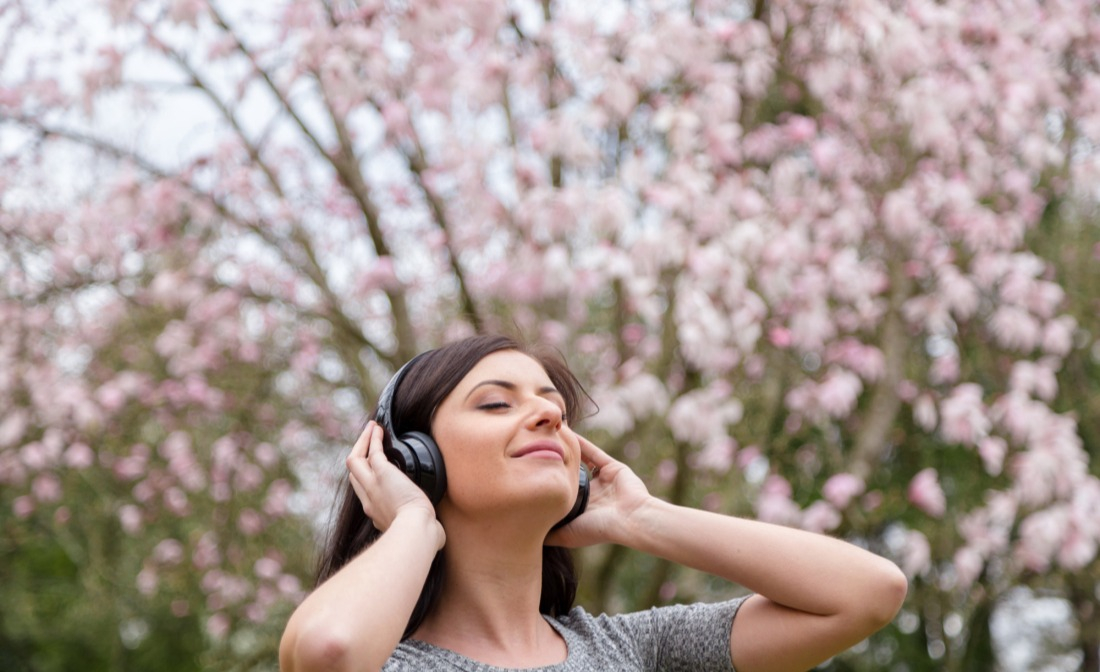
point(346, 165)
point(871, 440)
point(417, 165)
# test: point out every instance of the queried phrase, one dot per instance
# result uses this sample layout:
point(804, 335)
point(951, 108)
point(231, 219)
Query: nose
point(546, 414)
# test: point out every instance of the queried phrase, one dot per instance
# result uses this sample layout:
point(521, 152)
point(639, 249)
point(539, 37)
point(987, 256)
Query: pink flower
point(79, 456)
point(924, 412)
point(992, 450)
point(168, 552)
point(963, 417)
point(968, 566)
point(916, 555)
point(22, 506)
point(13, 426)
point(780, 337)
point(131, 519)
point(267, 568)
point(1015, 328)
point(46, 488)
point(840, 489)
point(1057, 337)
point(774, 504)
point(217, 626)
point(926, 494)
point(1041, 536)
point(250, 523)
point(820, 517)
point(289, 585)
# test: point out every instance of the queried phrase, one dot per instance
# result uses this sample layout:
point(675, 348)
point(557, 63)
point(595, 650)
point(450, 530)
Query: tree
point(820, 264)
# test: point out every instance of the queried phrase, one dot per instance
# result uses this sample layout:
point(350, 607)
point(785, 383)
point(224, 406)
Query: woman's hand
point(615, 495)
point(384, 491)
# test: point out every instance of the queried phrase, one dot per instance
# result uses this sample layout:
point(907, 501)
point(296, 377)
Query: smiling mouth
point(542, 450)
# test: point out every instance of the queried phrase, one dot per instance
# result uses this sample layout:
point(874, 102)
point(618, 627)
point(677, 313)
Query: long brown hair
point(424, 386)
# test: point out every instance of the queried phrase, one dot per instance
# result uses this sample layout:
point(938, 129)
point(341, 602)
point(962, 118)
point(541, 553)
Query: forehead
point(507, 365)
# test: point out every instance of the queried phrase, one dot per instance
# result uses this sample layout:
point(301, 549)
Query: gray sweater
point(688, 638)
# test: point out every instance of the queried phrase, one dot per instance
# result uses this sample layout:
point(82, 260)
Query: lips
point(545, 449)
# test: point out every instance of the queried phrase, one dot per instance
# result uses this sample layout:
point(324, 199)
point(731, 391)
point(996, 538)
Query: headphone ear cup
point(418, 456)
point(581, 501)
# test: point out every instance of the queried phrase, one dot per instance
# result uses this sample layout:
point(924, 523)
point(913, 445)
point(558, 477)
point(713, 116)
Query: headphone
point(417, 454)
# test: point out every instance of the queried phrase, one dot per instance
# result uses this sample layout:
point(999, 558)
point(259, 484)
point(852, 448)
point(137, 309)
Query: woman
point(482, 581)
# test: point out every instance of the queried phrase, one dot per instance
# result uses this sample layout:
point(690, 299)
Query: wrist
point(424, 521)
point(639, 525)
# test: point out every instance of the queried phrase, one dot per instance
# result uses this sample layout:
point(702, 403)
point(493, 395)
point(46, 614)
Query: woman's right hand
point(383, 489)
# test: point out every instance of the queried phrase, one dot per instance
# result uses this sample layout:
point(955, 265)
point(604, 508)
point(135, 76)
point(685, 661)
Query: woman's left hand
point(615, 494)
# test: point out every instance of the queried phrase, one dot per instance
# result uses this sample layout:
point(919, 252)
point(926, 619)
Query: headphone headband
point(384, 413)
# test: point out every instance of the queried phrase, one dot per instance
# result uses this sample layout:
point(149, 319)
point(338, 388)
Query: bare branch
point(417, 165)
point(871, 441)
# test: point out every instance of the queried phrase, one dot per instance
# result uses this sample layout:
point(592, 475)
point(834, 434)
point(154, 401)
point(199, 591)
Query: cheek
point(573, 443)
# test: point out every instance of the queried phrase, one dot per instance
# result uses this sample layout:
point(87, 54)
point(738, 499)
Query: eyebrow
point(508, 385)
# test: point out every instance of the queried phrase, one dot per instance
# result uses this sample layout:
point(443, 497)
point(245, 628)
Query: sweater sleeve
point(681, 638)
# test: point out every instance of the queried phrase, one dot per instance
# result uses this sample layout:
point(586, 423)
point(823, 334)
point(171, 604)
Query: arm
point(815, 595)
point(355, 619)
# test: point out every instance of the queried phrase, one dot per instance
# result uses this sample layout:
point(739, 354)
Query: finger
point(361, 444)
point(592, 455)
point(377, 451)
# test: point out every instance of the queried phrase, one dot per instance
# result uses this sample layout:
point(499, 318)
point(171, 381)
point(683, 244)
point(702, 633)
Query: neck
point(489, 606)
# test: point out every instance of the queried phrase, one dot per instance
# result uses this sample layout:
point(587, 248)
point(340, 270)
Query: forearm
point(355, 619)
point(801, 570)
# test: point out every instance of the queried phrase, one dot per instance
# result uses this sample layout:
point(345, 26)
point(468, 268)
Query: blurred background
point(828, 264)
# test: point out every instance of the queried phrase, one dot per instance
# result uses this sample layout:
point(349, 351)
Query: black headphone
point(417, 454)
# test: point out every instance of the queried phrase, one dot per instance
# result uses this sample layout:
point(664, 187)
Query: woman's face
point(505, 441)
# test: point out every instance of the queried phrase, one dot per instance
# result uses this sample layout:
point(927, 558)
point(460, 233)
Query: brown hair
point(424, 386)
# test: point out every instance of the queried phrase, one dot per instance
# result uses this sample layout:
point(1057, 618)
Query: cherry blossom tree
point(828, 264)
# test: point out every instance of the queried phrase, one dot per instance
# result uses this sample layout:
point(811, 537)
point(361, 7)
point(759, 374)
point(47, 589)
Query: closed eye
point(494, 405)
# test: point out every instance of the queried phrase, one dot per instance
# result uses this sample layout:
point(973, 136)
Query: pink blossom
point(992, 450)
point(774, 504)
point(278, 494)
point(820, 517)
point(924, 412)
point(217, 626)
point(717, 455)
point(868, 361)
point(289, 585)
point(46, 488)
point(963, 416)
point(916, 555)
point(206, 553)
point(1041, 536)
point(1034, 378)
point(926, 494)
point(839, 392)
point(968, 565)
point(79, 456)
point(780, 337)
point(267, 568)
point(840, 489)
point(23, 506)
point(168, 552)
point(1015, 328)
point(13, 426)
point(131, 519)
point(945, 370)
point(35, 456)
point(176, 501)
point(1057, 336)
point(250, 523)
point(147, 581)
